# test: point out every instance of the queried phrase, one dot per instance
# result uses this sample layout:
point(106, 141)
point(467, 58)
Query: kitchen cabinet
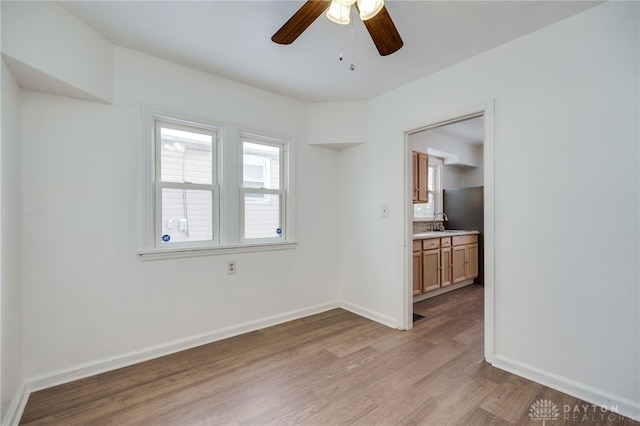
point(430, 264)
point(417, 267)
point(420, 177)
point(440, 262)
point(464, 257)
point(446, 262)
point(427, 269)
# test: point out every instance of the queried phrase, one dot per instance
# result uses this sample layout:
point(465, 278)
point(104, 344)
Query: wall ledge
point(31, 78)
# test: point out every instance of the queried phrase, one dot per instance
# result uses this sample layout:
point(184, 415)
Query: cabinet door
point(459, 266)
point(423, 178)
point(430, 270)
point(417, 273)
point(471, 259)
point(446, 266)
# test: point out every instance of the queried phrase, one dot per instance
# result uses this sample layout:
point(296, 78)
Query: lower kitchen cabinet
point(417, 273)
point(430, 270)
point(439, 262)
point(465, 257)
point(446, 262)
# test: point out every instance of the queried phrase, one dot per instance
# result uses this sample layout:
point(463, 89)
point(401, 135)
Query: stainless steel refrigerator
point(464, 208)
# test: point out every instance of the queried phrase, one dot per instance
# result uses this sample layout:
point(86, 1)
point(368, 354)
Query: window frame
point(228, 207)
point(159, 184)
point(282, 191)
point(437, 192)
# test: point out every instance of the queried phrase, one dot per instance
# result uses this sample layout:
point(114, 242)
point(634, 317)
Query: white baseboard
point(14, 413)
point(373, 316)
point(598, 397)
point(48, 380)
point(82, 371)
point(625, 407)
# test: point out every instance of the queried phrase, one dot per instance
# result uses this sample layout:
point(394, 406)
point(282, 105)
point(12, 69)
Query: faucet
point(433, 224)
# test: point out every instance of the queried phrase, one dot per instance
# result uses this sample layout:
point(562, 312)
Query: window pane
point(425, 209)
point(186, 156)
point(262, 214)
point(432, 178)
point(187, 215)
point(260, 166)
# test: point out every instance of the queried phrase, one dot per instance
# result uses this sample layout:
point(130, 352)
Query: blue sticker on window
point(166, 238)
point(278, 231)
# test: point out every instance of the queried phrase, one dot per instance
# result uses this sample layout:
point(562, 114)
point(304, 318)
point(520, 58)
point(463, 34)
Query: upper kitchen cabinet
point(420, 177)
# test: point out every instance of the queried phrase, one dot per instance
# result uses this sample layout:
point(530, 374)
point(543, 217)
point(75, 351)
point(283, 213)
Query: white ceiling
point(469, 131)
point(232, 39)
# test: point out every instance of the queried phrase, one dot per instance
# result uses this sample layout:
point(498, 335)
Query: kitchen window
point(422, 211)
point(209, 194)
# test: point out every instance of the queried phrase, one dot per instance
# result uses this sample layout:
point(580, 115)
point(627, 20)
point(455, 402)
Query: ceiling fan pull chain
point(353, 49)
point(340, 56)
point(341, 29)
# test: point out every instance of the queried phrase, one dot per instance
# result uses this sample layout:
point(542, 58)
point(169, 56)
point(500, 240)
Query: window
point(434, 205)
point(209, 194)
point(262, 194)
point(187, 194)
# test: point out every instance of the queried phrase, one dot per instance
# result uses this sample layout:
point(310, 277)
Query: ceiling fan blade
point(300, 21)
point(384, 33)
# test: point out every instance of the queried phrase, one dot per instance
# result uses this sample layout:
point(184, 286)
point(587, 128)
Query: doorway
point(458, 171)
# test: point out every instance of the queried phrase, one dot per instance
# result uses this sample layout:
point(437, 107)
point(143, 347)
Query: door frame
point(485, 110)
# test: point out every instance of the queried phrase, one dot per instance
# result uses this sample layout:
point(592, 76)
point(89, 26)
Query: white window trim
point(283, 146)
point(213, 131)
point(439, 197)
point(147, 249)
point(175, 253)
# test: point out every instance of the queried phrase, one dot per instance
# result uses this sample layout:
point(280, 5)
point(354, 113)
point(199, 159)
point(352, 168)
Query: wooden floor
point(334, 368)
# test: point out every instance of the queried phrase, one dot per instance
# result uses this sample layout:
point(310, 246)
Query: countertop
point(446, 233)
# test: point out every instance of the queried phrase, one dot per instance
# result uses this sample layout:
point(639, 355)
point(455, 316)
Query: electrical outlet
point(231, 267)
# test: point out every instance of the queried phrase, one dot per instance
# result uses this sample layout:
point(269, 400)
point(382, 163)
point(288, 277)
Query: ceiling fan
point(373, 13)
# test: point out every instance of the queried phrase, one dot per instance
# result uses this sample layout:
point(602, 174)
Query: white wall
point(89, 301)
point(454, 151)
point(566, 200)
point(471, 176)
point(51, 50)
point(11, 376)
point(567, 298)
point(463, 166)
point(337, 125)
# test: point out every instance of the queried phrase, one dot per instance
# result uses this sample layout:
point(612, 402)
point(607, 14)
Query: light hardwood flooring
point(335, 368)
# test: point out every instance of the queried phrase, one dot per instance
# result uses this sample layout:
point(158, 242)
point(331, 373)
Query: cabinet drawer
point(430, 244)
point(445, 242)
point(417, 245)
point(464, 239)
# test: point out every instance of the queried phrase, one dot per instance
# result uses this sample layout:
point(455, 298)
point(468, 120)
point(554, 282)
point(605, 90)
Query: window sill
point(182, 252)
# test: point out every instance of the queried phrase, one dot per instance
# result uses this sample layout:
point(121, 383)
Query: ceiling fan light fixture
point(339, 12)
point(369, 8)
point(346, 2)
